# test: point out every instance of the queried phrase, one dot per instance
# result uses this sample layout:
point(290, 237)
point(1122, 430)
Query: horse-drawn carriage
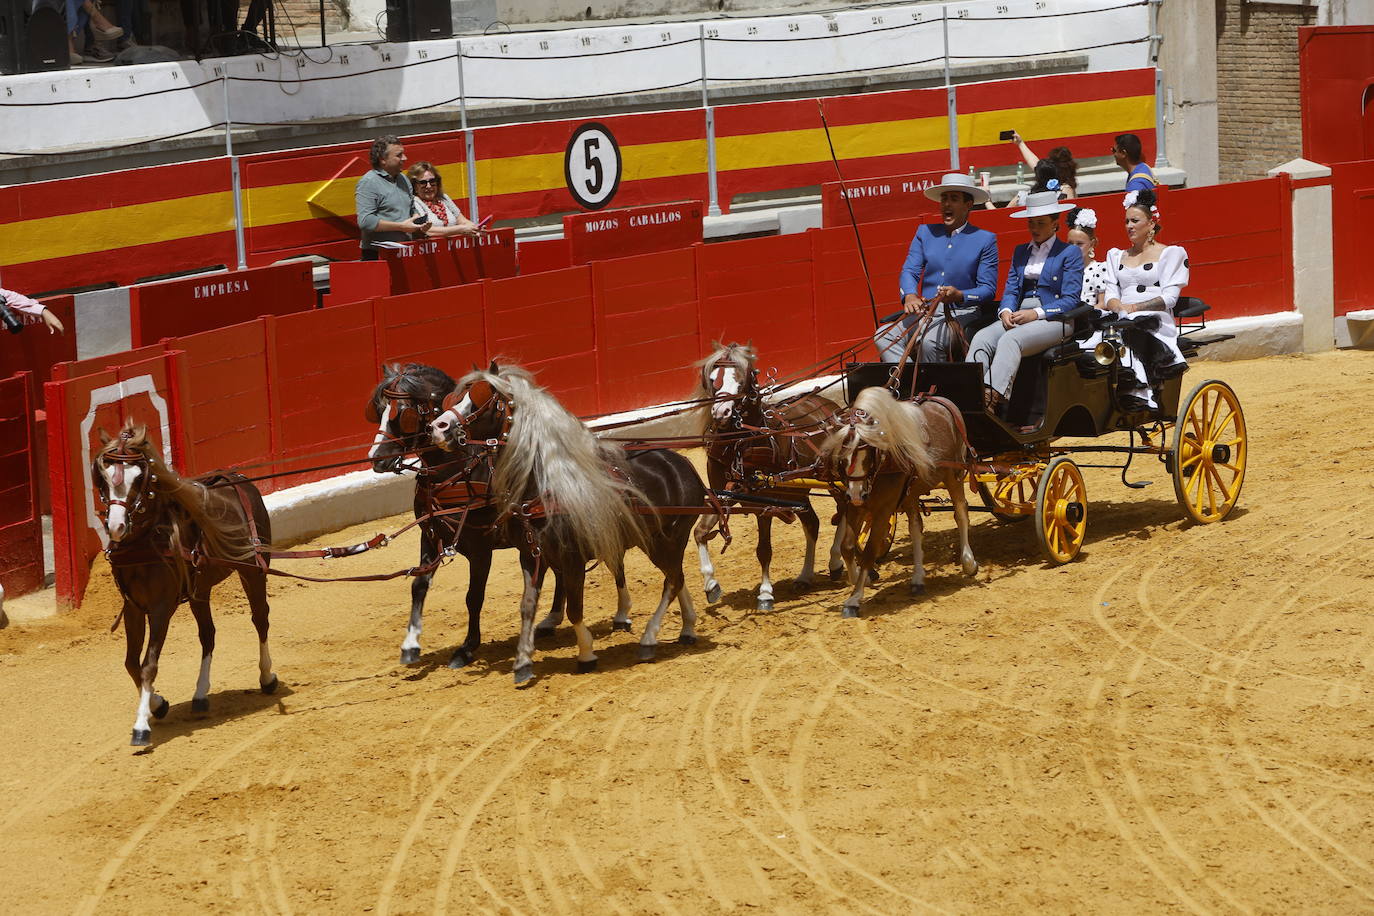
point(1021, 466)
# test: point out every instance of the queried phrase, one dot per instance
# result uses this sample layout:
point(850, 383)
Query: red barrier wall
point(546, 322)
point(647, 330)
point(444, 328)
point(223, 398)
point(21, 531)
point(436, 263)
point(760, 290)
point(1336, 68)
point(354, 281)
point(1352, 209)
point(190, 305)
point(538, 255)
point(623, 233)
point(316, 402)
point(36, 351)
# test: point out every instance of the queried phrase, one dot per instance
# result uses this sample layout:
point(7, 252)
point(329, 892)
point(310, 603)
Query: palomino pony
point(172, 540)
point(787, 437)
point(890, 453)
point(568, 498)
point(402, 406)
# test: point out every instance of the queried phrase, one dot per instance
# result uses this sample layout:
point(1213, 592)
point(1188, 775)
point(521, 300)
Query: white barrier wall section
point(53, 111)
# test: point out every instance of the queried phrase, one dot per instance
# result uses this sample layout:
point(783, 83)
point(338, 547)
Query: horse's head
point(477, 410)
point(123, 472)
point(852, 454)
point(727, 377)
point(402, 405)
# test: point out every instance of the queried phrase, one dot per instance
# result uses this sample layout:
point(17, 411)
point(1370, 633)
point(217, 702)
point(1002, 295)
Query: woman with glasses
point(445, 219)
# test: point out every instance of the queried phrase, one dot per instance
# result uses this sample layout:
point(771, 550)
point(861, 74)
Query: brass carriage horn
point(1107, 352)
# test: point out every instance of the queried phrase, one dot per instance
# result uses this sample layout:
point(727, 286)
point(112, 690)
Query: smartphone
point(423, 220)
point(483, 224)
point(1007, 135)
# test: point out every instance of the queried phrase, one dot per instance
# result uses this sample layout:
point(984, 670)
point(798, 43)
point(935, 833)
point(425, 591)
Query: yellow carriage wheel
point(1061, 511)
point(1008, 496)
point(1208, 459)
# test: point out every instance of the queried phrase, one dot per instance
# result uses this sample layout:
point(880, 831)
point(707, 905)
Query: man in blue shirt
point(951, 265)
point(1127, 152)
point(383, 197)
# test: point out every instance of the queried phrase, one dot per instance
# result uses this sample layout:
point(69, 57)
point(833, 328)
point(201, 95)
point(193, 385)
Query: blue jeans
point(77, 18)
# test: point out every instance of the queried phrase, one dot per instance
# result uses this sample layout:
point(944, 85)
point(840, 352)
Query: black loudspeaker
point(34, 41)
point(416, 20)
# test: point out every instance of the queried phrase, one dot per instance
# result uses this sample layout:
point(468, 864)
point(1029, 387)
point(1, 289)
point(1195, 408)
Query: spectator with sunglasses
point(445, 219)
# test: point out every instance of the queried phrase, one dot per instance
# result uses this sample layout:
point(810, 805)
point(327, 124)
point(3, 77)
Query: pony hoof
point(849, 612)
point(764, 604)
point(141, 738)
point(971, 570)
point(801, 585)
point(646, 653)
point(620, 626)
point(545, 632)
point(586, 667)
point(686, 639)
point(461, 658)
point(713, 594)
point(917, 588)
point(410, 656)
point(271, 686)
point(524, 675)
point(200, 704)
point(161, 711)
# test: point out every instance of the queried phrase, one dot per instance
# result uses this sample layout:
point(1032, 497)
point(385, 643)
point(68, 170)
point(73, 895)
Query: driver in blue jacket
point(951, 266)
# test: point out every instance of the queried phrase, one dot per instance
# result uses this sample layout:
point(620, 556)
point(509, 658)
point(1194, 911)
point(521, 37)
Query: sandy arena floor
point(1179, 720)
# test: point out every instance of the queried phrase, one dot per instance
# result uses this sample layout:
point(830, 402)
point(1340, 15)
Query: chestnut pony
point(171, 540)
point(790, 433)
point(890, 453)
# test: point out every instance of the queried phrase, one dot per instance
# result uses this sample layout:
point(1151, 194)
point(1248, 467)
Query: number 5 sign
point(591, 166)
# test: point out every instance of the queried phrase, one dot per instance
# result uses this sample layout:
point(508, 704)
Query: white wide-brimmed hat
point(1042, 203)
point(955, 181)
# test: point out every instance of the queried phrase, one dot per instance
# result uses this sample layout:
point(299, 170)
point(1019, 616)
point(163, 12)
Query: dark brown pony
point(568, 499)
point(745, 437)
point(402, 405)
point(171, 540)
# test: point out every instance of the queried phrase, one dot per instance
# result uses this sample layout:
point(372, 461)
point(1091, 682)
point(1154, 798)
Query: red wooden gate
point(21, 530)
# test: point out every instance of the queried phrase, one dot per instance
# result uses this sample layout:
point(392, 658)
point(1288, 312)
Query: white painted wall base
point(1355, 329)
point(1262, 335)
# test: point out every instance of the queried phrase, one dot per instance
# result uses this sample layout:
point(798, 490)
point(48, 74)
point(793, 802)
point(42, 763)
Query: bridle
point(713, 377)
point(136, 502)
point(411, 413)
point(852, 418)
point(501, 407)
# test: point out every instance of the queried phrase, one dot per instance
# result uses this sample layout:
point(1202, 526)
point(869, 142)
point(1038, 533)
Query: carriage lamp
point(1108, 350)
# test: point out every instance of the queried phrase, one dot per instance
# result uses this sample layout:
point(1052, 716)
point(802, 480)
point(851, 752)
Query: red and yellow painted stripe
point(146, 222)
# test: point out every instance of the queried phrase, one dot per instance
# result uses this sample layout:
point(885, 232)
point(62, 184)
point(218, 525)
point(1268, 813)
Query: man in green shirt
point(383, 196)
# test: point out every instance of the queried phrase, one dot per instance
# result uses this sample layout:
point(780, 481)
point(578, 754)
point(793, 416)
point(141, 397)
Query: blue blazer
point(966, 261)
point(1060, 282)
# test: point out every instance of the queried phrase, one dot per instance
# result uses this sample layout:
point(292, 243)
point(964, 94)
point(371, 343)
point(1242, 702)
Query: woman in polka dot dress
point(1143, 284)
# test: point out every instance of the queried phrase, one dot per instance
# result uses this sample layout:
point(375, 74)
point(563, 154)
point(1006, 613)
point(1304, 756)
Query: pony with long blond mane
point(171, 540)
point(890, 453)
point(568, 498)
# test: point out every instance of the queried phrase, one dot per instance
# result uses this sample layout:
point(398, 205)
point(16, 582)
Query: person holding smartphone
point(445, 219)
point(383, 198)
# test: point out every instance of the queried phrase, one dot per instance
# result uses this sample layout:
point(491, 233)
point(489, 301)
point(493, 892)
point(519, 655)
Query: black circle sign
point(591, 166)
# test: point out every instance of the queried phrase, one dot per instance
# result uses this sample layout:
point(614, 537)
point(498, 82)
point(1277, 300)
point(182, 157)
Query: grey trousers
point(892, 340)
point(1000, 350)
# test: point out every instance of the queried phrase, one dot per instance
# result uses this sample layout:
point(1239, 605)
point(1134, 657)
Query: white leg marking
point(147, 702)
point(650, 637)
point(689, 612)
point(708, 569)
point(766, 587)
point(203, 682)
point(414, 629)
point(264, 664)
point(623, 604)
point(584, 642)
point(808, 570)
point(524, 648)
point(966, 558)
point(837, 545)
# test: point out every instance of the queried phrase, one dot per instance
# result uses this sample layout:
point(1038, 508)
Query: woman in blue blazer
point(1044, 283)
